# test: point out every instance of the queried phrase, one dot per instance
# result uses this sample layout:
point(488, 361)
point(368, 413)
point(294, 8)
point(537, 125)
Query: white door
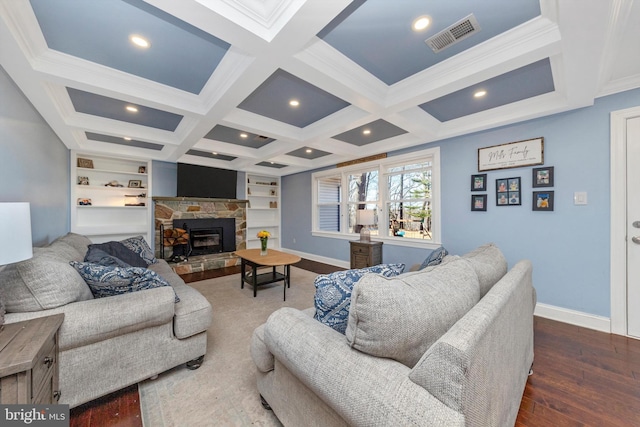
point(633, 226)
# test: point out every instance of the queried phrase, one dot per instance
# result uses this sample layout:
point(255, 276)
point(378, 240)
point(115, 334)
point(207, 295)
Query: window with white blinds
point(328, 204)
point(402, 191)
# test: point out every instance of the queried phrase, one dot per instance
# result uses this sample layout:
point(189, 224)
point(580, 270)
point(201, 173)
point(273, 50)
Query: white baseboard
point(578, 318)
point(318, 258)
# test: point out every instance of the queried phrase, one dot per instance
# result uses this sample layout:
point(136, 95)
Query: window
point(402, 192)
point(328, 203)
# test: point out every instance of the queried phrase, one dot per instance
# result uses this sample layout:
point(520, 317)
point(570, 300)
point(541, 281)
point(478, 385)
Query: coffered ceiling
point(283, 86)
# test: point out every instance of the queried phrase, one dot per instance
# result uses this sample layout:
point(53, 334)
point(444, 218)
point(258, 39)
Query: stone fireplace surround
point(167, 209)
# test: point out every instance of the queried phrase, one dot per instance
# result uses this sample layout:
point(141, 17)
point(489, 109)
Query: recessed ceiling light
point(308, 150)
point(132, 109)
point(126, 138)
point(215, 153)
point(139, 41)
point(244, 135)
point(479, 93)
point(421, 23)
point(294, 103)
point(366, 132)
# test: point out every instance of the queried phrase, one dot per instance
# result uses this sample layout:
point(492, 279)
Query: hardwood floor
point(581, 377)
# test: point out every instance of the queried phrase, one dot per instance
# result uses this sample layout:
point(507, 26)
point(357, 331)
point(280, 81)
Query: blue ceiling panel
point(235, 136)
point(525, 82)
point(121, 141)
point(110, 108)
point(210, 155)
point(271, 165)
point(308, 153)
point(271, 99)
point(180, 56)
point(371, 132)
point(379, 38)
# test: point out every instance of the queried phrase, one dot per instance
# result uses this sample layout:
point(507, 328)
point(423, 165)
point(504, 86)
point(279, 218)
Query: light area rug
point(223, 391)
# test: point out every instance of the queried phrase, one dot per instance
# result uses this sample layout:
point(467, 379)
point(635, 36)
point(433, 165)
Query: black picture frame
point(543, 201)
point(479, 182)
point(542, 177)
point(478, 202)
point(508, 191)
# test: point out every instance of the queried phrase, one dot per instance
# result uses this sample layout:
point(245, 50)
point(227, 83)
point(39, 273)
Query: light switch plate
point(580, 198)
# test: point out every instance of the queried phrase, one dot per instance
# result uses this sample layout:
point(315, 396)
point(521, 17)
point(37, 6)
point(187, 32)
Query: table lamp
point(15, 226)
point(365, 218)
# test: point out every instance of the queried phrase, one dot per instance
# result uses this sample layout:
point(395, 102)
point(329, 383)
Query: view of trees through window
point(399, 195)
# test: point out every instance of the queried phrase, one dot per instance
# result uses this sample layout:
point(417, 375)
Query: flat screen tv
point(206, 182)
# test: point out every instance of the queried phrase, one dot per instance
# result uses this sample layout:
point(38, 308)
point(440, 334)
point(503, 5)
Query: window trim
point(382, 165)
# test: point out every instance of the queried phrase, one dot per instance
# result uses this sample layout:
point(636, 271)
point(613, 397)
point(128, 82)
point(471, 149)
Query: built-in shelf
point(263, 210)
point(94, 180)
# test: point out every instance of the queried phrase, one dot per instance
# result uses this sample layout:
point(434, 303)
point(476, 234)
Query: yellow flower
point(263, 234)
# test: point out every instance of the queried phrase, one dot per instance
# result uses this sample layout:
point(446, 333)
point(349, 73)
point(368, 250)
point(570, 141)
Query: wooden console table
point(273, 258)
point(29, 361)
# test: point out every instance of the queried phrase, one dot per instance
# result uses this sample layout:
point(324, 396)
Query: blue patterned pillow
point(107, 281)
point(434, 258)
point(139, 245)
point(333, 293)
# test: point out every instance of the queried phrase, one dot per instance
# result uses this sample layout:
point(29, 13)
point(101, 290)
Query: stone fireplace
point(216, 227)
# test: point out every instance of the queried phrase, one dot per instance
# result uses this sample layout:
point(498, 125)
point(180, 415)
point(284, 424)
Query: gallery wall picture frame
point(135, 183)
point(542, 177)
point(508, 192)
point(479, 182)
point(478, 202)
point(529, 152)
point(543, 201)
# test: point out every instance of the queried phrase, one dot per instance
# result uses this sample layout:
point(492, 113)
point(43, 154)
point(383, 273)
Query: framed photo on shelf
point(142, 169)
point(83, 180)
point(478, 202)
point(543, 200)
point(84, 202)
point(85, 163)
point(479, 182)
point(135, 183)
point(508, 192)
point(542, 177)
point(272, 193)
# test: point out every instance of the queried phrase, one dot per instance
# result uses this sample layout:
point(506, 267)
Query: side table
point(29, 361)
point(365, 254)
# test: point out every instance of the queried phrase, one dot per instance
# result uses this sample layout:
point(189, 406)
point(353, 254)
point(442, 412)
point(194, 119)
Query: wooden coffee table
point(273, 258)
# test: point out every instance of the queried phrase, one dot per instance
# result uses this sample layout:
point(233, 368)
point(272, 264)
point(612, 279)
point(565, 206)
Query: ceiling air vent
point(260, 138)
point(453, 34)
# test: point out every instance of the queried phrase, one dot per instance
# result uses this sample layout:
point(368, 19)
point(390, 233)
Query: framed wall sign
point(511, 155)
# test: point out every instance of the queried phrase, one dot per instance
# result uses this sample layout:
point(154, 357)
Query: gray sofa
point(450, 345)
point(106, 344)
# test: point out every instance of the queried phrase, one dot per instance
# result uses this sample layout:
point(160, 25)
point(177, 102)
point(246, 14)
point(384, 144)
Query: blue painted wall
point(34, 164)
point(569, 247)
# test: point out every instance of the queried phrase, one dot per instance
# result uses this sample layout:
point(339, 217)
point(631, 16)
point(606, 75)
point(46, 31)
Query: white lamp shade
point(15, 228)
point(365, 217)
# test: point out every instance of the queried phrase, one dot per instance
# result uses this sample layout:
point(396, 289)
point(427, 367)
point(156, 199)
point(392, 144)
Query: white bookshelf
point(263, 209)
point(108, 217)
